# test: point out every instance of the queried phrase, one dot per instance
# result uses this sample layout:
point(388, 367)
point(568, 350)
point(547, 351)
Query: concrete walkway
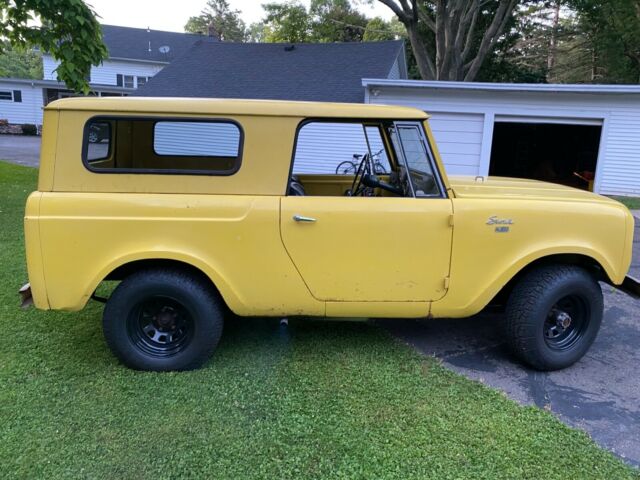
point(600, 394)
point(20, 149)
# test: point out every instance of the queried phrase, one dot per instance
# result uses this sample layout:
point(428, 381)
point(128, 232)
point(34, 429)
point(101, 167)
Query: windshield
point(416, 160)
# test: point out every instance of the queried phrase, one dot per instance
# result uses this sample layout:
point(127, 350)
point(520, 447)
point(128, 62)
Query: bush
point(29, 129)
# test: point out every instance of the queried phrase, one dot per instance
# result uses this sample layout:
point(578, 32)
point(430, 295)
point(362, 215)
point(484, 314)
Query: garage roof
point(511, 87)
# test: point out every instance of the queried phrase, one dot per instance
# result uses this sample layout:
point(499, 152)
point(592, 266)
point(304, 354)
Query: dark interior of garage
point(557, 153)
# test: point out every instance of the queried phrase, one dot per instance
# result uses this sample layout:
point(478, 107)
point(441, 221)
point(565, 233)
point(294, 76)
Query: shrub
point(29, 129)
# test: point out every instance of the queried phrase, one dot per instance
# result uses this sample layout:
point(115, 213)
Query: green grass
point(316, 400)
point(632, 203)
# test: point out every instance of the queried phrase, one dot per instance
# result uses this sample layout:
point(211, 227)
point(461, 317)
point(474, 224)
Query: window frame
point(419, 125)
point(10, 99)
point(160, 171)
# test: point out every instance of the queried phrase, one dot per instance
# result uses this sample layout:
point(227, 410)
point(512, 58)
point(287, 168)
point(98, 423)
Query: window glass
point(202, 139)
point(98, 140)
point(128, 81)
point(142, 81)
point(6, 96)
point(337, 148)
point(408, 140)
point(162, 146)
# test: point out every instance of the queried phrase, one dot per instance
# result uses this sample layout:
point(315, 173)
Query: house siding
point(106, 73)
point(462, 122)
point(27, 111)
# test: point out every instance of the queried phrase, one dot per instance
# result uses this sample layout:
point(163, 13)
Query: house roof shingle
point(143, 44)
point(308, 71)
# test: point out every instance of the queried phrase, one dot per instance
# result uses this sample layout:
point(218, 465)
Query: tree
point(612, 30)
point(451, 39)
point(286, 22)
point(20, 62)
point(218, 18)
point(324, 21)
point(336, 21)
point(66, 29)
point(378, 30)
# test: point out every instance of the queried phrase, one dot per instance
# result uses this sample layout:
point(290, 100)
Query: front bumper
point(630, 286)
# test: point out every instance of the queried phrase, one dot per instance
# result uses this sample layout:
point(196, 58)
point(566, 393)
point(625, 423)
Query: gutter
point(512, 87)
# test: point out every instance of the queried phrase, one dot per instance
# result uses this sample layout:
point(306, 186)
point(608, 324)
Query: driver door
point(369, 249)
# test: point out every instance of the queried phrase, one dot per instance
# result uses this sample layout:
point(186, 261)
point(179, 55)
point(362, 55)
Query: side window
point(325, 148)
point(134, 145)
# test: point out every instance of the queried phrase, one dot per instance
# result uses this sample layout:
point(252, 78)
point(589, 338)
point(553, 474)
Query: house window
point(127, 81)
point(156, 146)
point(11, 96)
point(142, 81)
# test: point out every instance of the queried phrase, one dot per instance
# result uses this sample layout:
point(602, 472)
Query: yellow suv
point(201, 206)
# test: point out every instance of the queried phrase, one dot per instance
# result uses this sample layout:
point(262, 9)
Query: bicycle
point(349, 167)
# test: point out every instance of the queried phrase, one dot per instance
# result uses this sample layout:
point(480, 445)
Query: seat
point(296, 189)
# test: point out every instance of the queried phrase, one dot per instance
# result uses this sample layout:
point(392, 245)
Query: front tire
point(162, 320)
point(553, 316)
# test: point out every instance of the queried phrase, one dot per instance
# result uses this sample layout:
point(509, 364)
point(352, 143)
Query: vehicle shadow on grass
point(599, 394)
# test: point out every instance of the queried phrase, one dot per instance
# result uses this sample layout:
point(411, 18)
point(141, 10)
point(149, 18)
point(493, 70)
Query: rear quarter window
point(178, 146)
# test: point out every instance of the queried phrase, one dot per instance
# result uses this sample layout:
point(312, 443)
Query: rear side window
point(134, 145)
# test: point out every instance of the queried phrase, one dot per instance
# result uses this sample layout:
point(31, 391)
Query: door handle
point(302, 218)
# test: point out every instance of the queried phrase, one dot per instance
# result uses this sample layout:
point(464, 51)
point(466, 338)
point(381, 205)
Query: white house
point(135, 55)
point(569, 134)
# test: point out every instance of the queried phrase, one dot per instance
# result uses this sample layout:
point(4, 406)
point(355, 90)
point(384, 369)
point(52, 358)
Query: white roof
point(512, 87)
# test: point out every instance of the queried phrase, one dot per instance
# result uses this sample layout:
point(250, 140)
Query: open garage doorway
point(553, 152)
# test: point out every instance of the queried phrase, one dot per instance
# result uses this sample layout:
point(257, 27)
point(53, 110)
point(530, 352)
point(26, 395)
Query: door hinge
point(451, 220)
point(446, 283)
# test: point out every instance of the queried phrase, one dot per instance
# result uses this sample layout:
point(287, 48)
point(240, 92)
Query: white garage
point(586, 136)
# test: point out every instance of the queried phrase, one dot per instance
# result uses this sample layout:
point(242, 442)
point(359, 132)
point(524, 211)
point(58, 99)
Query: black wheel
point(162, 320)
point(346, 168)
point(553, 316)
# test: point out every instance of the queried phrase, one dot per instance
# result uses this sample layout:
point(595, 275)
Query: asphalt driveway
point(20, 149)
point(600, 394)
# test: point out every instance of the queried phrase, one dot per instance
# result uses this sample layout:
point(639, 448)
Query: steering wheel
point(357, 188)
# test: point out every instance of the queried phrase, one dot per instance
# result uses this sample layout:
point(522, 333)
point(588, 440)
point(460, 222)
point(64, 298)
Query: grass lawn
point(632, 203)
point(319, 399)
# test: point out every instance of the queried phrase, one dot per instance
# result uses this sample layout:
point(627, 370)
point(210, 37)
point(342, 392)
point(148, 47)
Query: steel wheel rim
point(566, 323)
point(160, 326)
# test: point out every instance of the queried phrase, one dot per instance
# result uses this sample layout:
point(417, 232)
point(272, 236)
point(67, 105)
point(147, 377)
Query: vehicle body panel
point(370, 249)
point(233, 239)
point(376, 256)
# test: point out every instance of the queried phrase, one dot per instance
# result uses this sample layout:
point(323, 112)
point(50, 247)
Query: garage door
point(459, 138)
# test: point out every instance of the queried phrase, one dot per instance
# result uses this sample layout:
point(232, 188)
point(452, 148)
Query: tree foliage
point(16, 62)
point(220, 19)
point(286, 22)
point(66, 29)
point(609, 31)
point(323, 21)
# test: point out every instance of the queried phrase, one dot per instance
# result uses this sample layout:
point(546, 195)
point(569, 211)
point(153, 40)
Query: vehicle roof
point(278, 108)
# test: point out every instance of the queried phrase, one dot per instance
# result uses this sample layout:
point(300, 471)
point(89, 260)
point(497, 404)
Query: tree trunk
point(553, 41)
point(425, 64)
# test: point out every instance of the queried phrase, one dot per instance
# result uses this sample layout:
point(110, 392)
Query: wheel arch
point(120, 269)
point(588, 262)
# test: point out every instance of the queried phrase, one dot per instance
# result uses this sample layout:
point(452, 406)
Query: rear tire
point(163, 319)
point(553, 316)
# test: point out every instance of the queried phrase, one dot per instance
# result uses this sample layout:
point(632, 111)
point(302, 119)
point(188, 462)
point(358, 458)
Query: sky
point(172, 15)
